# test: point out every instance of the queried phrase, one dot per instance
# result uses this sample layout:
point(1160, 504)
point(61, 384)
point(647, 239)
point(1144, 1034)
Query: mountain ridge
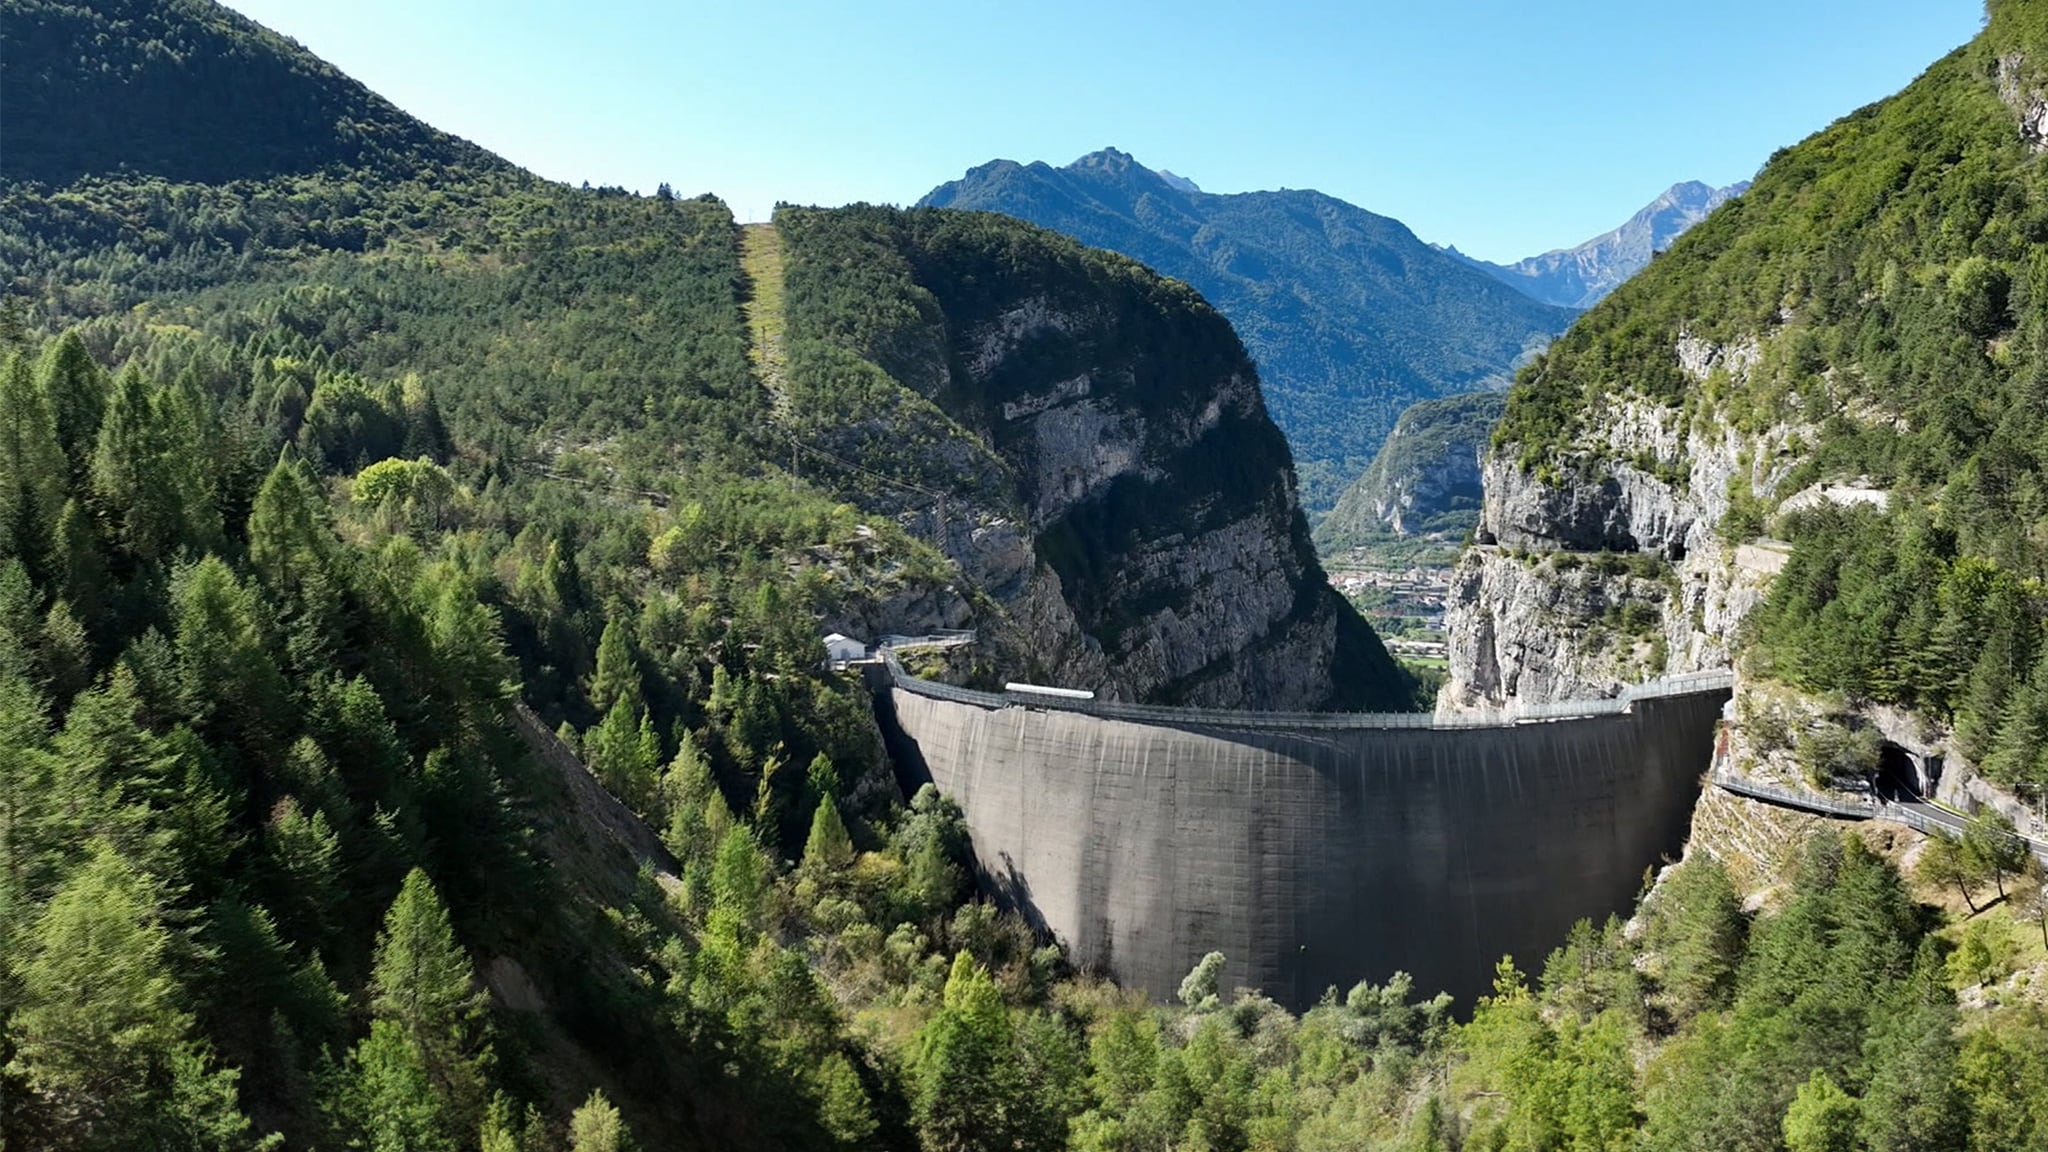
point(1582, 275)
point(1350, 316)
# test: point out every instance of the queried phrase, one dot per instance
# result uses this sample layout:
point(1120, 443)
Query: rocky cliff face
point(1350, 316)
point(1850, 331)
point(1129, 514)
point(1605, 565)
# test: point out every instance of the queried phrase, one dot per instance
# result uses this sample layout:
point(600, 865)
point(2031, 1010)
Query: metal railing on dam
point(1311, 849)
point(1686, 684)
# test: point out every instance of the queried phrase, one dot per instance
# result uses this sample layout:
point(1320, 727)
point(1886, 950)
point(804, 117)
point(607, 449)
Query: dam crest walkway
point(1687, 684)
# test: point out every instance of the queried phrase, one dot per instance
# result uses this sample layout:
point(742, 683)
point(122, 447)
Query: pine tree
point(2019, 755)
point(79, 566)
point(305, 855)
point(617, 679)
point(596, 1127)
point(1823, 1118)
point(739, 884)
point(1697, 929)
point(297, 560)
point(75, 390)
point(395, 1104)
point(228, 676)
point(66, 653)
point(624, 752)
point(968, 1091)
point(134, 486)
point(829, 849)
point(426, 435)
point(101, 1038)
point(424, 991)
point(32, 470)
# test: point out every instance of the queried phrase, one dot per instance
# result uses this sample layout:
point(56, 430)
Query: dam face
point(1312, 851)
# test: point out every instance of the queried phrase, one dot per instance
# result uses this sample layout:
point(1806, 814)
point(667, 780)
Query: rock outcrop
point(1609, 565)
point(1117, 495)
point(1350, 316)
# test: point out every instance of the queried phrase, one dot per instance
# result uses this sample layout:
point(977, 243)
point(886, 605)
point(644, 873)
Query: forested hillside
point(1350, 317)
point(1425, 479)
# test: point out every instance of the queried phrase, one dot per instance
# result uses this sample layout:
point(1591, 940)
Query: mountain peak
point(1113, 158)
point(1580, 277)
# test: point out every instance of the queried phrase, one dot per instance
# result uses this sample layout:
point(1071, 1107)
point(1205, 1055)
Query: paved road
point(1915, 814)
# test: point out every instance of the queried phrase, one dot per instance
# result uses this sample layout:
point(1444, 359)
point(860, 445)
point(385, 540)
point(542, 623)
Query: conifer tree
point(617, 678)
point(100, 1036)
point(968, 1090)
point(74, 388)
point(32, 470)
point(738, 882)
point(79, 569)
point(596, 1127)
point(2019, 756)
point(423, 992)
point(295, 557)
point(133, 485)
point(1822, 1118)
point(227, 673)
point(829, 849)
point(624, 753)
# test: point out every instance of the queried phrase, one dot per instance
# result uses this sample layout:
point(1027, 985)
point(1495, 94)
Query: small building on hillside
point(840, 649)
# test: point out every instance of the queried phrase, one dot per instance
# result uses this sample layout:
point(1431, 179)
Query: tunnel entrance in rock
point(1898, 778)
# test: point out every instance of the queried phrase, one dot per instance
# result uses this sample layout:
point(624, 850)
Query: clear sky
point(1506, 127)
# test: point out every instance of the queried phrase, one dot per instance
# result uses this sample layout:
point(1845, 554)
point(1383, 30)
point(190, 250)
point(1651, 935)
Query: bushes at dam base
point(1311, 857)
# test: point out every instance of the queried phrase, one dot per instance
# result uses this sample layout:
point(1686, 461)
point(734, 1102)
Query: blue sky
point(1504, 127)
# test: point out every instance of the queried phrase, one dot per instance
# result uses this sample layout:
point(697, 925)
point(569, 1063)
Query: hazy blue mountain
point(1579, 277)
point(1350, 317)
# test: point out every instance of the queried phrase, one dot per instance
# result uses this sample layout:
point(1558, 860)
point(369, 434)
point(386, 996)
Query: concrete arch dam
point(1312, 850)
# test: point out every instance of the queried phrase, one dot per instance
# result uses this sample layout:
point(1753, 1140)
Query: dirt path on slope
point(761, 260)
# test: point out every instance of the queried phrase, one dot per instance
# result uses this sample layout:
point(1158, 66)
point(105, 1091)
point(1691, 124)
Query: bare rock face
point(1608, 567)
point(1154, 580)
point(2025, 99)
point(1121, 508)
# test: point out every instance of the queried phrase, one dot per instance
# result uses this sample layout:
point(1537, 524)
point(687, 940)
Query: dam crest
point(1313, 849)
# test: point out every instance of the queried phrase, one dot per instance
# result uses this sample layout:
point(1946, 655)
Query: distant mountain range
point(1580, 277)
point(1350, 317)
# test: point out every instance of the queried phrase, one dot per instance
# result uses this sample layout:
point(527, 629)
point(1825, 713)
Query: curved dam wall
point(1311, 850)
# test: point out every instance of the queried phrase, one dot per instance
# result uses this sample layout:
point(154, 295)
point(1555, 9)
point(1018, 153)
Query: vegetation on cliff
point(1009, 366)
point(1431, 460)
